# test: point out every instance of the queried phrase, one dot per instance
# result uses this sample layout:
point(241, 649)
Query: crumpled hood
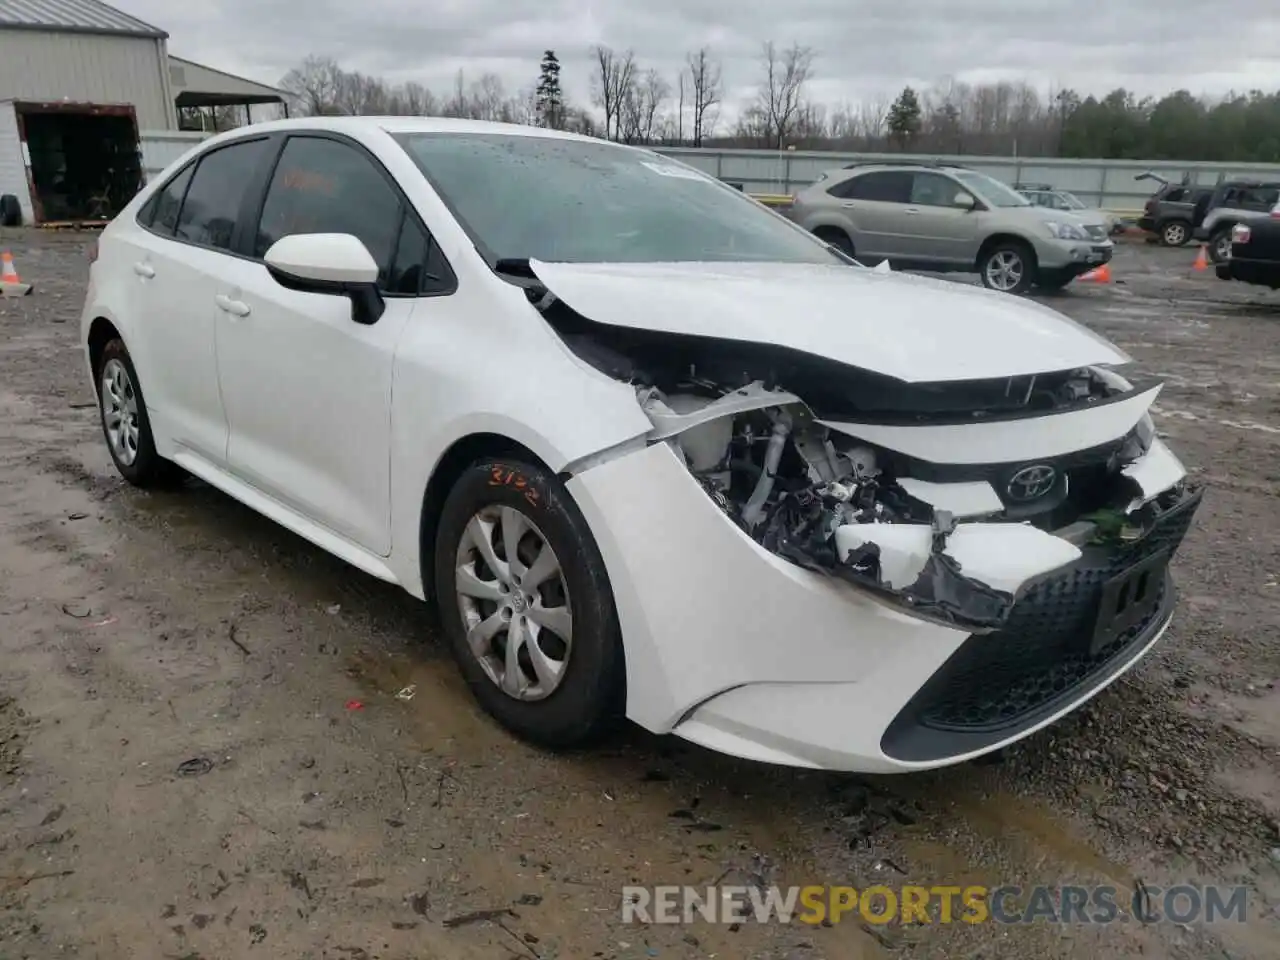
point(911, 328)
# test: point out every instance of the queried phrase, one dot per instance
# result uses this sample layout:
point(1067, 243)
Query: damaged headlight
point(814, 499)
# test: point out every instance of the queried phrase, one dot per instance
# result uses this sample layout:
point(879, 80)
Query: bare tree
point(458, 105)
point(312, 86)
point(705, 74)
point(641, 104)
point(486, 98)
point(679, 130)
point(418, 101)
point(781, 92)
point(615, 76)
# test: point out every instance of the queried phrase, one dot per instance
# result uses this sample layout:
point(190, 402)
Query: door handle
point(144, 270)
point(849, 203)
point(237, 308)
point(911, 210)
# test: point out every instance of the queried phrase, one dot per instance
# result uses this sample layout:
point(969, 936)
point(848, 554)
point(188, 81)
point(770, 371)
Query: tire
point(1175, 233)
point(1009, 253)
point(10, 211)
point(837, 238)
point(132, 446)
point(1220, 244)
point(586, 702)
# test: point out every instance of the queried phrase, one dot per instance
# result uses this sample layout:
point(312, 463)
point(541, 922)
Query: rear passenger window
point(213, 200)
point(886, 187)
point(324, 186)
point(162, 211)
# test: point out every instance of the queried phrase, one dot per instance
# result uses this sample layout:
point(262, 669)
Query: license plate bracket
point(1128, 598)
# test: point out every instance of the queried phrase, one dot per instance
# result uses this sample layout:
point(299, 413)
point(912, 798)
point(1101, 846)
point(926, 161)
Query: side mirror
point(966, 201)
point(338, 264)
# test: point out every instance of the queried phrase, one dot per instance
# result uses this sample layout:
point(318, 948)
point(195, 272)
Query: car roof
point(356, 126)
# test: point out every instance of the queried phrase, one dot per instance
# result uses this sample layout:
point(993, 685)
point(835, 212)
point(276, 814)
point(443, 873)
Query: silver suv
point(942, 218)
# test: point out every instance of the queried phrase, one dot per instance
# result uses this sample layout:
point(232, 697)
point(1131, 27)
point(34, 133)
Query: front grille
point(998, 683)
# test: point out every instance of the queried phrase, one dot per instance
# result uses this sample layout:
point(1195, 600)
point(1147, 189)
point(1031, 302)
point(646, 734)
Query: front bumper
point(1263, 273)
point(1079, 256)
point(734, 648)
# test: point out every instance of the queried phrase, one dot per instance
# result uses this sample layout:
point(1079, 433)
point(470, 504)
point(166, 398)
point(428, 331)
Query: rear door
point(875, 204)
point(178, 258)
point(308, 390)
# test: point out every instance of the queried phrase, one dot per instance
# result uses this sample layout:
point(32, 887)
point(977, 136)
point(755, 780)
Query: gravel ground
point(203, 754)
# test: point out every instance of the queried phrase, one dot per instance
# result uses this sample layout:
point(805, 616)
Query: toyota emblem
point(1032, 483)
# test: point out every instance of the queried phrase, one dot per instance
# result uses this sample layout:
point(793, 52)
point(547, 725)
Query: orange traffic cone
point(1202, 258)
point(10, 284)
point(1100, 274)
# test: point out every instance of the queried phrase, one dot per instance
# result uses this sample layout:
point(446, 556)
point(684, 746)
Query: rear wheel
point(1175, 233)
point(1008, 266)
point(125, 424)
point(527, 607)
point(837, 238)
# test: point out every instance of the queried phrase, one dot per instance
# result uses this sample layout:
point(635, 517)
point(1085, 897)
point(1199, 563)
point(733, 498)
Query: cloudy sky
point(863, 50)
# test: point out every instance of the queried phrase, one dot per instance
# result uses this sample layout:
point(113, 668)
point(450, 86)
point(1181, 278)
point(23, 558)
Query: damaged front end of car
point(820, 500)
point(946, 501)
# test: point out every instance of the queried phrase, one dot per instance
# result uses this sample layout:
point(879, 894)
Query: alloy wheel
point(514, 603)
point(1004, 270)
point(120, 411)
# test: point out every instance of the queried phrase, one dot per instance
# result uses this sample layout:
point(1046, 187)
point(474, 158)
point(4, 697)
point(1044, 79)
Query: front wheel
point(1008, 267)
point(125, 424)
point(1220, 245)
point(527, 607)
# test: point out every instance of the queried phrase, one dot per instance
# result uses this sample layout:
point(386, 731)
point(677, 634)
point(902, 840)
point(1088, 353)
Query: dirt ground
point(203, 753)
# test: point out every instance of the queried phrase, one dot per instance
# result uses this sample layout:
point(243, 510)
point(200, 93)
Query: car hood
point(1048, 215)
point(915, 329)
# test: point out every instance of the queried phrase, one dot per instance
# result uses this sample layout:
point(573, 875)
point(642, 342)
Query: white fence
point(1108, 183)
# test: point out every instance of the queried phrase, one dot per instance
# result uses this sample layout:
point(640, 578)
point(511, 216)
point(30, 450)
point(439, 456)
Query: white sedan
point(653, 451)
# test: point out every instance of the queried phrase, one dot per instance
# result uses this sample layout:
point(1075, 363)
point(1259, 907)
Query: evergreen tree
point(550, 97)
point(904, 117)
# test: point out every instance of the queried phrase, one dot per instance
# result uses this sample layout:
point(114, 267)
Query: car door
point(943, 232)
point(307, 390)
point(875, 204)
point(180, 251)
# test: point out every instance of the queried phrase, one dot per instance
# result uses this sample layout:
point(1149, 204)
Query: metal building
point(79, 81)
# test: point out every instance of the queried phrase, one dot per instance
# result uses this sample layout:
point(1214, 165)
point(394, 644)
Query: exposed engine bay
point(953, 541)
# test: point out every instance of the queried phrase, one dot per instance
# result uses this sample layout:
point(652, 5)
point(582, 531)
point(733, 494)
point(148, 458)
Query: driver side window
point(322, 185)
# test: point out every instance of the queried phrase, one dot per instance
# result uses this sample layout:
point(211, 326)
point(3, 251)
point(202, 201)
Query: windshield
point(574, 201)
point(995, 193)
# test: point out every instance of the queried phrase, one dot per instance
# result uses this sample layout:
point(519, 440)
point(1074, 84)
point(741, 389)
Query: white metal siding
point(13, 171)
point(89, 68)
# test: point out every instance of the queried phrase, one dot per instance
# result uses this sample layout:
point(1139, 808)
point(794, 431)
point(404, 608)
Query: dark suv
point(1232, 202)
point(1171, 213)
